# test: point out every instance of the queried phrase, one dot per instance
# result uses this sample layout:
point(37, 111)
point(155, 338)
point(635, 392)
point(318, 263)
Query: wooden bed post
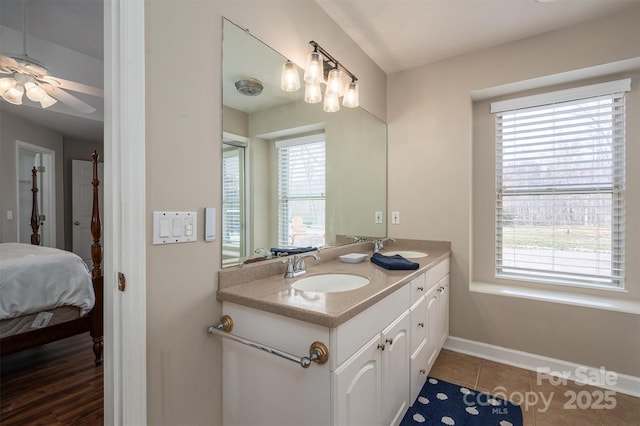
point(35, 215)
point(96, 271)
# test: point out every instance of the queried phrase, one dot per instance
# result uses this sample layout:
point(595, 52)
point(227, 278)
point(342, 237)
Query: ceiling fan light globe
point(34, 93)
point(6, 83)
point(47, 101)
point(14, 95)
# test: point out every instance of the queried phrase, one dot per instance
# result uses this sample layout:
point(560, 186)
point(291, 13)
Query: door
point(358, 386)
point(82, 206)
point(28, 157)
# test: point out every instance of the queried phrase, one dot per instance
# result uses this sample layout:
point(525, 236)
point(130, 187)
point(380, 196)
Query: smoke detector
point(249, 87)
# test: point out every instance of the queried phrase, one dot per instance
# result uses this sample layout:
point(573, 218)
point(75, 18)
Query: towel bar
point(318, 351)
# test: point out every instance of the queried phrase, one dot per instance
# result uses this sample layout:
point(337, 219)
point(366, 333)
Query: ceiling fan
point(20, 74)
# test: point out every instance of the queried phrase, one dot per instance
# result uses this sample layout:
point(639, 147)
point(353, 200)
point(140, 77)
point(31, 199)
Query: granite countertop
point(263, 286)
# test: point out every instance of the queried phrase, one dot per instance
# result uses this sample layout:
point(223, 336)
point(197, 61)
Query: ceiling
point(396, 34)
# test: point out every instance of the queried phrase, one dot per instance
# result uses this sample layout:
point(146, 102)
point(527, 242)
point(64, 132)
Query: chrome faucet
point(267, 253)
point(296, 266)
point(379, 244)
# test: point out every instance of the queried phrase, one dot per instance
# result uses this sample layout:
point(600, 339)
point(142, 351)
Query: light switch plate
point(174, 227)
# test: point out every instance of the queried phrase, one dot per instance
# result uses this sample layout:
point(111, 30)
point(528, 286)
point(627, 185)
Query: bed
point(49, 294)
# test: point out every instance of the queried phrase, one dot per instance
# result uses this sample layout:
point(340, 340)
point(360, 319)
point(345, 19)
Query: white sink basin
point(330, 283)
point(407, 254)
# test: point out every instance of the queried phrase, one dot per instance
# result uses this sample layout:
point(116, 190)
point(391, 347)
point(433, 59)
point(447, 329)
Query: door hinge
point(43, 218)
point(40, 169)
point(122, 281)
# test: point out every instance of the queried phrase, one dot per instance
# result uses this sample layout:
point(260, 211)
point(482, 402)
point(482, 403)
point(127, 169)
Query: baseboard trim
point(622, 383)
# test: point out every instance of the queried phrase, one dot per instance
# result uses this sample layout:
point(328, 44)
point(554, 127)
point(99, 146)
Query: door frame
point(125, 228)
point(48, 188)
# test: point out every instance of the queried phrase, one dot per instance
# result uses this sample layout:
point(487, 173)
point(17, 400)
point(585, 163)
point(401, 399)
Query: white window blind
point(231, 198)
point(560, 171)
point(301, 191)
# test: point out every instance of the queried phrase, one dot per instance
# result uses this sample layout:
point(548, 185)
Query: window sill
point(586, 301)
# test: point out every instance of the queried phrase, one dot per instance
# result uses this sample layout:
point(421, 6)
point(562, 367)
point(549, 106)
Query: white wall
point(183, 173)
point(12, 129)
point(430, 142)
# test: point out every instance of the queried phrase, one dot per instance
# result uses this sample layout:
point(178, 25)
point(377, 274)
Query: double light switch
point(174, 227)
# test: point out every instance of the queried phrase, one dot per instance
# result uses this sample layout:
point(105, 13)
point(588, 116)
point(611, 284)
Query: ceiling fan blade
point(73, 86)
point(68, 99)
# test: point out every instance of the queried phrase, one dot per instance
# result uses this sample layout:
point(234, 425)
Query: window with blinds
point(301, 191)
point(560, 182)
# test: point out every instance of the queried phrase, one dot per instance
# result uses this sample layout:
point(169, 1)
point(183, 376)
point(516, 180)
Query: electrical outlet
point(395, 218)
point(378, 217)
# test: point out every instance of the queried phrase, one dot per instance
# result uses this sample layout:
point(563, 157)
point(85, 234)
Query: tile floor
point(554, 401)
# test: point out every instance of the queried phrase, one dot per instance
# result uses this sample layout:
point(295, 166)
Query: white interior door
point(82, 205)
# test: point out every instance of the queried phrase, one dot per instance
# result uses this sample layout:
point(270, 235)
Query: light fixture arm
point(318, 48)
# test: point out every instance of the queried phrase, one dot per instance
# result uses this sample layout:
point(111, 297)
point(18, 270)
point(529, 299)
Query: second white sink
point(330, 283)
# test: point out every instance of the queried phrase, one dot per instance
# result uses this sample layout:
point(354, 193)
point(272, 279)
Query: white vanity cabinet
point(378, 360)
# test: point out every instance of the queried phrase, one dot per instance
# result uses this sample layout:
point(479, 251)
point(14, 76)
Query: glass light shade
point(335, 83)
point(312, 93)
point(351, 95)
point(34, 92)
point(14, 95)
point(6, 84)
point(331, 102)
point(290, 81)
point(314, 70)
point(47, 101)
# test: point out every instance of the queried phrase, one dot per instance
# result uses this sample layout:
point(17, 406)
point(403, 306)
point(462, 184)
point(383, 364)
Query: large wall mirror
point(293, 175)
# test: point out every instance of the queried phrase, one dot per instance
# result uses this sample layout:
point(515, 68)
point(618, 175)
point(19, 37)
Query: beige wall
point(12, 129)
point(183, 173)
point(430, 141)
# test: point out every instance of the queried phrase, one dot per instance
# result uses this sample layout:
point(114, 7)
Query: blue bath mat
point(443, 403)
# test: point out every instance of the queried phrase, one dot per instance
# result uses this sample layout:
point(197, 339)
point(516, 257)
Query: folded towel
point(291, 250)
point(395, 262)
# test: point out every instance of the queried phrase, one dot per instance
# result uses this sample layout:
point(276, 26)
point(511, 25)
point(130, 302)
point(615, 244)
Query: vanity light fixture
point(322, 68)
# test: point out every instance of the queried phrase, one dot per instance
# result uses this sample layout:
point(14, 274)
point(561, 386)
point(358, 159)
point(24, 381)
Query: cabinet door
point(443, 307)
point(358, 385)
point(433, 325)
point(395, 369)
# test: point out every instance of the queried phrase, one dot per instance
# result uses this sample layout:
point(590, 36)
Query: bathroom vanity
point(381, 339)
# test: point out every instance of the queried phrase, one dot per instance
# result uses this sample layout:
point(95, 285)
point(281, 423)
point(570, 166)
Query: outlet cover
point(395, 218)
point(378, 217)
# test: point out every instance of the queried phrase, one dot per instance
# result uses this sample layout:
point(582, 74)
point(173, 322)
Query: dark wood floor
point(54, 384)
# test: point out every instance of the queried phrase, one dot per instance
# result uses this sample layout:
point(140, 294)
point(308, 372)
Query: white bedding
point(34, 279)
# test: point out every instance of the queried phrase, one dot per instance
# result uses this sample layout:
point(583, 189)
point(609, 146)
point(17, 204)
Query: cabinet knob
point(423, 371)
point(381, 346)
point(420, 324)
point(420, 288)
point(389, 341)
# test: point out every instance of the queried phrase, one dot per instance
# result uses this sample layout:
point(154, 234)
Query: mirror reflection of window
point(233, 211)
point(301, 191)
